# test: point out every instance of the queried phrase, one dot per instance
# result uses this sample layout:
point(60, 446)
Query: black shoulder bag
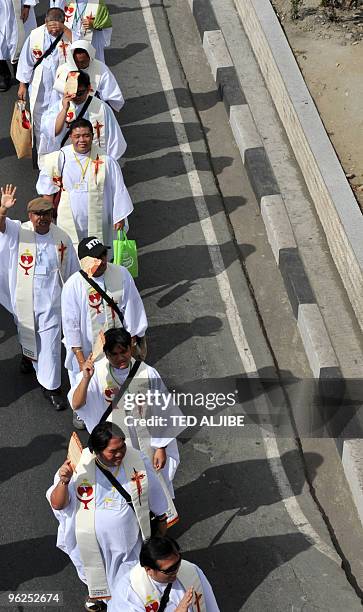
point(110, 301)
point(81, 114)
point(48, 51)
point(154, 522)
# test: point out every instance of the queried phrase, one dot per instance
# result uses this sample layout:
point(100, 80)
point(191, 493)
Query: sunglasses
point(80, 92)
point(172, 568)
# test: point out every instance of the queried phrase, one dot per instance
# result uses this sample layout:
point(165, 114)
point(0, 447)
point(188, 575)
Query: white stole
point(25, 278)
point(70, 12)
point(96, 186)
point(139, 384)
point(85, 487)
point(96, 114)
point(96, 305)
point(20, 29)
point(37, 50)
point(187, 575)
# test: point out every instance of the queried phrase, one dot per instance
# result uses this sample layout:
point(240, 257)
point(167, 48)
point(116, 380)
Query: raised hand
point(88, 368)
point(7, 196)
point(186, 601)
point(24, 13)
point(65, 471)
point(67, 100)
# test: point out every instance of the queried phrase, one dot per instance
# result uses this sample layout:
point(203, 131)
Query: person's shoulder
point(72, 281)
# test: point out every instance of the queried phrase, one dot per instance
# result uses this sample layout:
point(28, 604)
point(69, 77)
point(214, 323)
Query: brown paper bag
point(71, 85)
point(21, 131)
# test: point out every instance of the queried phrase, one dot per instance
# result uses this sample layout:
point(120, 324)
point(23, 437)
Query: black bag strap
point(165, 598)
point(110, 301)
point(79, 116)
point(115, 483)
point(48, 51)
point(121, 392)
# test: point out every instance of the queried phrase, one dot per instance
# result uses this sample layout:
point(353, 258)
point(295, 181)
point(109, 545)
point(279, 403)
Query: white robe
point(117, 204)
point(95, 407)
point(49, 142)
point(9, 28)
point(46, 296)
point(124, 597)
point(100, 38)
point(25, 74)
point(106, 87)
point(117, 530)
point(76, 318)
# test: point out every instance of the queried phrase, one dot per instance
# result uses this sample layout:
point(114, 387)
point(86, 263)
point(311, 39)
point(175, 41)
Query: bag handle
point(110, 301)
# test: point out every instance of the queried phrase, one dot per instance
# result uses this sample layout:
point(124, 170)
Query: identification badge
point(112, 504)
point(40, 270)
point(83, 186)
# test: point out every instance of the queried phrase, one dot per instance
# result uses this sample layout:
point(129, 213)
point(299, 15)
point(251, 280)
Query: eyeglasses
point(172, 568)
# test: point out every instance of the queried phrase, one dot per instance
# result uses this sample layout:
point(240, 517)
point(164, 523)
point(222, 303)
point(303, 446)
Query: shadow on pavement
point(236, 569)
point(23, 458)
point(30, 559)
point(169, 165)
point(143, 107)
point(115, 56)
point(156, 136)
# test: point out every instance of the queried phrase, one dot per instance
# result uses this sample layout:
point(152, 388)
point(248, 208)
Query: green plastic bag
point(125, 253)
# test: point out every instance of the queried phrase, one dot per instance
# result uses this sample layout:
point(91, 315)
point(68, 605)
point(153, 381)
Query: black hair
point(55, 14)
point(156, 548)
point(80, 50)
point(83, 79)
point(115, 336)
point(80, 123)
point(102, 434)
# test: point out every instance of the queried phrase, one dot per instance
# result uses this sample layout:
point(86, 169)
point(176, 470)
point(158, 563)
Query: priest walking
point(37, 257)
point(94, 199)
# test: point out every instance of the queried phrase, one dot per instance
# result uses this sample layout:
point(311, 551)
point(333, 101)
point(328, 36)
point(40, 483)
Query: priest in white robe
point(85, 313)
point(17, 20)
point(81, 56)
point(107, 134)
point(88, 19)
point(94, 200)
point(98, 384)
point(37, 67)
point(36, 259)
point(160, 572)
point(115, 530)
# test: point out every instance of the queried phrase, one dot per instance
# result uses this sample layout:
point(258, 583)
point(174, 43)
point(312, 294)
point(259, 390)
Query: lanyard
point(78, 15)
point(85, 168)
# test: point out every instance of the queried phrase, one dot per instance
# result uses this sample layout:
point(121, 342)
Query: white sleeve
point(210, 600)
point(116, 144)
point(45, 185)
point(24, 72)
point(157, 500)
point(110, 91)
point(30, 2)
point(132, 306)
point(122, 205)
point(71, 316)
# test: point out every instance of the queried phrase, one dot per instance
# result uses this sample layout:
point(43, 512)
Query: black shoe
point(54, 397)
point(26, 365)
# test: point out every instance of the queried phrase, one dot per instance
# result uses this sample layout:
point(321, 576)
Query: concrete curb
point(317, 344)
point(330, 191)
point(336, 206)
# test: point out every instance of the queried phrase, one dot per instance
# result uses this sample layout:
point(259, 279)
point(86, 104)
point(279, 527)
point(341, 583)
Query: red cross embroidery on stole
point(61, 250)
point(198, 597)
point(98, 126)
point(97, 162)
point(137, 477)
point(64, 46)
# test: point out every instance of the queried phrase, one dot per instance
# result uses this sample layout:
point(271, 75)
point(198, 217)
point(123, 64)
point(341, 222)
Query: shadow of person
point(116, 55)
point(233, 487)
point(176, 214)
point(17, 459)
point(28, 559)
point(145, 139)
point(164, 338)
point(155, 103)
point(236, 569)
point(169, 165)
point(185, 265)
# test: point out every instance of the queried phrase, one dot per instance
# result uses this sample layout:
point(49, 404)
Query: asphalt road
point(247, 516)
